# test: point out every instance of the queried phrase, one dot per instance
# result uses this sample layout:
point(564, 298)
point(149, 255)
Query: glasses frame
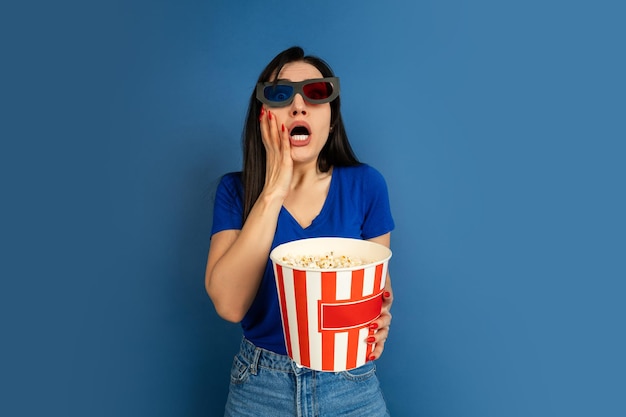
point(297, 89)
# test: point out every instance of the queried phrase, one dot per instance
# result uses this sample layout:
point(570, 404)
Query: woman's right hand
point(238, 258)
point(279, 165)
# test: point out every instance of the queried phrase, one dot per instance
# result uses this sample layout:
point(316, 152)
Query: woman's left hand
point(381, 325)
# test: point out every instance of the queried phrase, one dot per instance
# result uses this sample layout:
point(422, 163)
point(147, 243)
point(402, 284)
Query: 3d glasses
point(281, 93)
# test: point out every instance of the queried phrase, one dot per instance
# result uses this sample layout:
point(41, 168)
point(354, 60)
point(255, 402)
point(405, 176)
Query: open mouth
point(299, 133)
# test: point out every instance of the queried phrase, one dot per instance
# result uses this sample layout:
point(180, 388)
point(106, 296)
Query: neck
point(305, 174)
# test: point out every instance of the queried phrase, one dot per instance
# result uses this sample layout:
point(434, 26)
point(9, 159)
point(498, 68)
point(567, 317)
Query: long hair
point(336, 152)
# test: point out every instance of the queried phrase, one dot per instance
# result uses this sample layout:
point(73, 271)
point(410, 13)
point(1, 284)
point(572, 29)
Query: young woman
point(300, 179)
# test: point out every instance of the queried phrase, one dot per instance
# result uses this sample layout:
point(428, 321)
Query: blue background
point(499, 127)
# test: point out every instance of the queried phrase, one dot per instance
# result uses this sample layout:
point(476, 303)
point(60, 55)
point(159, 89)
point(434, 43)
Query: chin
point(299, 158)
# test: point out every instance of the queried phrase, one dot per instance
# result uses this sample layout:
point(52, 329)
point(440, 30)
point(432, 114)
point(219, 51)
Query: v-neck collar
point(325, 207)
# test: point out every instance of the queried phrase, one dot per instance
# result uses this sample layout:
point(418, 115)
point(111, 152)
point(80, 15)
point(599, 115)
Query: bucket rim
point(276, 261)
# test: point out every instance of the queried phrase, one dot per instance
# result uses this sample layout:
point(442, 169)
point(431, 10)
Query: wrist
point(271, 198)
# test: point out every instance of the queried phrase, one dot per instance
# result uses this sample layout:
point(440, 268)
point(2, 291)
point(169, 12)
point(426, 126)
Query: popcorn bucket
point(326, 312)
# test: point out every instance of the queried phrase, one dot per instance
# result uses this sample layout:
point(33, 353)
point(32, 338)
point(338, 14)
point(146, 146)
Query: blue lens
point(278, 93)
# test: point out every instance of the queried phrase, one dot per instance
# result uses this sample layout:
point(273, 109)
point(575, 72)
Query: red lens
point(318, 91)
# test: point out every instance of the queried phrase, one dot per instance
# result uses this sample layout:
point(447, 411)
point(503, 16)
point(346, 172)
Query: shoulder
point(228, 203)
point(231, 181)
point(231, 178)
point(362, 172)
point(230, 187)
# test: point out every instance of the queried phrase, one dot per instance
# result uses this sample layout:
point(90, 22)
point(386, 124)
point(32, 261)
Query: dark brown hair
point(336, 152)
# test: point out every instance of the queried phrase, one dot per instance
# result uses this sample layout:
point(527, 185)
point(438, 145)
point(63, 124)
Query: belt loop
point(255, 361)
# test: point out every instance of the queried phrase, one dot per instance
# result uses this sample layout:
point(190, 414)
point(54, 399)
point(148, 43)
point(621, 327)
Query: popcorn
point(326, 261)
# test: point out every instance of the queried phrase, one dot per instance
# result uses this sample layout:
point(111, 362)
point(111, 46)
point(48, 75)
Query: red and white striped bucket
point(326, 312)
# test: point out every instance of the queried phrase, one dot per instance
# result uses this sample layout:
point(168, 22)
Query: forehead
point(299, 71)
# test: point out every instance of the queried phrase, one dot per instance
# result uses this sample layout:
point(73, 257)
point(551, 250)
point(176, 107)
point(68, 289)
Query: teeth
point(299, 137)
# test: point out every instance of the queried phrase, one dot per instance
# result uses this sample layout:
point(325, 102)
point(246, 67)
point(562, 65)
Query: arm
point(382, 323)
point(237, 258)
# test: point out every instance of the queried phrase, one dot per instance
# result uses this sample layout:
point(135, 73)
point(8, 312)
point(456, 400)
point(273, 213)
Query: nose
point(298, 105)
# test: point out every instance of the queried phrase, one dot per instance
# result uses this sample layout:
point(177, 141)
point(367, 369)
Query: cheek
point(328, 114)
point(325, 118)
point(280, 115)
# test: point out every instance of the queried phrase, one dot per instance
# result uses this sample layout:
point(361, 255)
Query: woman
point(300, 179)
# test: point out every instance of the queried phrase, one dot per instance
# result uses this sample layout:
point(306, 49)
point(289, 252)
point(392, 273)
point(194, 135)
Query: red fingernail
point(371, 339)
point(283, 127)
point(269, 114)
point(372, 357)
point(387, 294)
point(374, 326)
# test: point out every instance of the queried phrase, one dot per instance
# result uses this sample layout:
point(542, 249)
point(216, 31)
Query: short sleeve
point(228, 208)
point(377, 218)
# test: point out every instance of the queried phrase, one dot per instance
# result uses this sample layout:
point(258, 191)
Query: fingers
point(380, 326)
point(387, 299)
point(274, 137)
point(378, 340)
point(269, 130)
point(377, 351)
point(279, 165)
point(285, 145)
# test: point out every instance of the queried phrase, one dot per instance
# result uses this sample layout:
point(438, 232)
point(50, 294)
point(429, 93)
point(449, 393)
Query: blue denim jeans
point(266, 384)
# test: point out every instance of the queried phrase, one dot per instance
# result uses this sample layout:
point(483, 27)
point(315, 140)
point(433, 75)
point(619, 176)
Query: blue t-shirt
point(357, 206)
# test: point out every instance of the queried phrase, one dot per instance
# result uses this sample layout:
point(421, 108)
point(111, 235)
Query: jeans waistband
point(259, 357)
